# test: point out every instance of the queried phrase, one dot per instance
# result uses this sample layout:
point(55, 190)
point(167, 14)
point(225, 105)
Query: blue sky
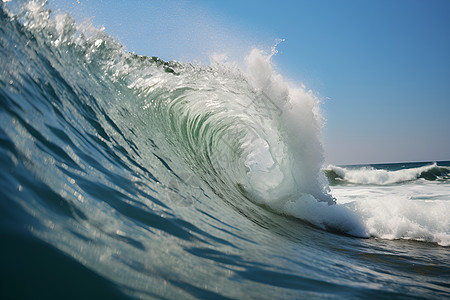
point(381, 67)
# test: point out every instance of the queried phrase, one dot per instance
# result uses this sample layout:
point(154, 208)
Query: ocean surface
point(125, 176)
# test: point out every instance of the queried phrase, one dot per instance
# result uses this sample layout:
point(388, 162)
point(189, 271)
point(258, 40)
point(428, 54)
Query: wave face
point(163, 179)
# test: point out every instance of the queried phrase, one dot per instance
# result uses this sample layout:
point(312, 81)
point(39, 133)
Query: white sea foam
point(410, 211)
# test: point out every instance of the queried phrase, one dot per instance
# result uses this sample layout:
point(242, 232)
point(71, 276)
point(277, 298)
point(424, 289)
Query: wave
point(371, 175)
point(88, 119)
point(245, 134)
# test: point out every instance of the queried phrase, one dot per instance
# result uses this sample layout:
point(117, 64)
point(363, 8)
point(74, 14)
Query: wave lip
point(369, 175)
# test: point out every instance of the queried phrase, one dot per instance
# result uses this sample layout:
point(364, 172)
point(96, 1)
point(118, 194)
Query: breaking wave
point(380, 176)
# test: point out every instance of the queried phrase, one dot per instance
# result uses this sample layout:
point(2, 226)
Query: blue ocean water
point(125, 176)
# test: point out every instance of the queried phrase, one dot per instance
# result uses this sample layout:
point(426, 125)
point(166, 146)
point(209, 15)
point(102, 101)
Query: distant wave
point(371, 175)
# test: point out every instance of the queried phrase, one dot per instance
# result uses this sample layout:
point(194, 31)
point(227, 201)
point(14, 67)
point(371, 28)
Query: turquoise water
point(125, 176)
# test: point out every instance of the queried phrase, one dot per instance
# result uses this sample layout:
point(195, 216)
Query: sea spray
point(299, 124)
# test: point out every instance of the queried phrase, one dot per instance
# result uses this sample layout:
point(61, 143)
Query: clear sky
point(381, 67)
